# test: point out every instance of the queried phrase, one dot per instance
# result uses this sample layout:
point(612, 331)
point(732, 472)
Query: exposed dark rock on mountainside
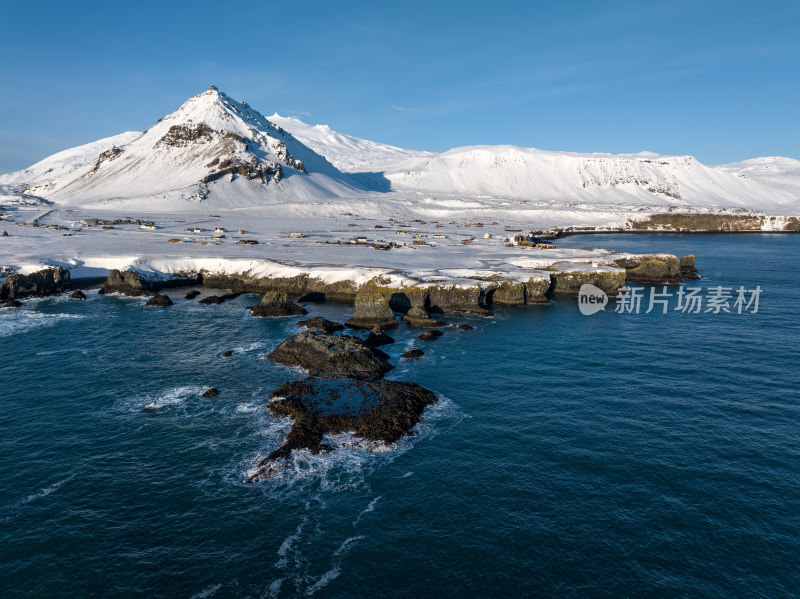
point(377, 410)
point(48, 281)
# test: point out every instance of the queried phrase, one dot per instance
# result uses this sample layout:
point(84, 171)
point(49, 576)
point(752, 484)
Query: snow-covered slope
point(67, 161)
point(644, 178)
point(214, 150)
point(776, 172)
point(349, 154)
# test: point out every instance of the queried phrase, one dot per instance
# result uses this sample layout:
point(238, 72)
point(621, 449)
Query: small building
point(487, 235)
point(361, 240)
point(546, 246)
point(219, 230)
point(419, 242)
point(297, 235)
point(147, 227)
point(197, 230)
point(440, 236)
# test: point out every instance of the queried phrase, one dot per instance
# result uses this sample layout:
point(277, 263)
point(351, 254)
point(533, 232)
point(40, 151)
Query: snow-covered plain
point(216, 162)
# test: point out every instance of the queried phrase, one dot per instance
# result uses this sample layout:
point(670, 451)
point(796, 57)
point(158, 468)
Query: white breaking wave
point(207, 592)
point(47, 490)
point(175, 396)
point(15, 321)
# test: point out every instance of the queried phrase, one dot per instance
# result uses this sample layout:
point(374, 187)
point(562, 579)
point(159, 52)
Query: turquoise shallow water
point(605, 456)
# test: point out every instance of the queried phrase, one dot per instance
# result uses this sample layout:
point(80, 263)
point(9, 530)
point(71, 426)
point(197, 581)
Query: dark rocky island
point(377, 410)
point(276, 304)
point(331, 355)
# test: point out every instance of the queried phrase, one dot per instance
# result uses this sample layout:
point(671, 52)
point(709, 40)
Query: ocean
point(613, 455)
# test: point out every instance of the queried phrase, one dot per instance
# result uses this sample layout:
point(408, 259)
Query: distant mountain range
point(219, 152)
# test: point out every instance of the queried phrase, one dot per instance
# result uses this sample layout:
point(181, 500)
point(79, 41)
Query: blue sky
point(719, 80)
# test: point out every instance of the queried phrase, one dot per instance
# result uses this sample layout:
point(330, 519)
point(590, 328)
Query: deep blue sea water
point(617, 455)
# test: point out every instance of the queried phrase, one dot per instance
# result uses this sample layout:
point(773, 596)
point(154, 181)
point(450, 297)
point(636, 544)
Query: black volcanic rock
point(417, 316)
point(377, 410)
point(215, 300)
point(48, 281)
point(331, 355)
point(376, 338)
point(159, 300)
point(212, 392)
point(78, 295)
point(430, 335)
point(465, 327)
point(276, 304)
point(372, 310)
point(128, 282)
point(413, 354)
point(192, 293)
point(12, 303)
point(318, 323)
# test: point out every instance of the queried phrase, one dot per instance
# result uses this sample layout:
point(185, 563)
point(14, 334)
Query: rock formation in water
point(276, 304)
point(688, 270)
point(376, 410)
point(48, 281)
point(78, 295)
point(372, 310)
point(318, 323)
point(159, 300)
point(377, 337)
point(323, 354)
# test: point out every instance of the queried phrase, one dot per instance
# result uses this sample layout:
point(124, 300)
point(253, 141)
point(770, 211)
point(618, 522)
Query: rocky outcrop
point(303, 285)
point(453, 298)
point(377, 337)
point(651, 268)
point(127, 282)
point(211, 392)
point(215, 300)
point(372, 310)
point(430, 335)
point(192, 293)
point(465, 327)
point(331, 355)
point(48, 281)
point(417, 316)
point(413, 354)
point(12, 303)
point(699, 222)
point(77, 294)
point(377, 410)
point(688, 270)
point(159, 300)
point(276, 304)
point(569, 282)
point(318, 323)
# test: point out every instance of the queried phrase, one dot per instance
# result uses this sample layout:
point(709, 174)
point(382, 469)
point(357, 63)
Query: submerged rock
point(78, 295)
point(318, 323)
point(276, 304)
point(12, 303)
point(374, 410)
point(413, 354)
point(212, 392)
point(159, 300)
point(332, 355)
point(48, 281)
point(226, 354)
point(372, 310)
point(192, 293)
point(376, 338)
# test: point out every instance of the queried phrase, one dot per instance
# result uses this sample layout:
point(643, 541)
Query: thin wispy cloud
point(405, 108)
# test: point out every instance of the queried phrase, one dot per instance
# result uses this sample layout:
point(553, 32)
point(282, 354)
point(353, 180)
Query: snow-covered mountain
point(62, 163)
point(214, 150)
point(217, 151)
point(640, 179)
point(347, 153)
point(776, 172)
